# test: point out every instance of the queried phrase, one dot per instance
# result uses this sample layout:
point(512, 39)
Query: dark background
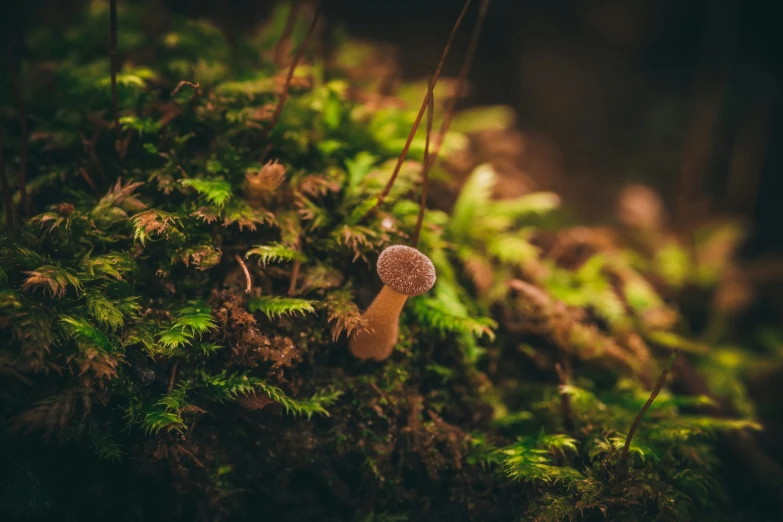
point(684, 95)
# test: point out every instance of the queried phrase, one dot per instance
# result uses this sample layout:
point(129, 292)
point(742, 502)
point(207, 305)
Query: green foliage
point(223, 387)
point(131, 327)
point(166, 413)
point(215, 191)
point(277, 306)
point(274, 253)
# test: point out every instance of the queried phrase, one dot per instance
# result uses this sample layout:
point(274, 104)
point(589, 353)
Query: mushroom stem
point(383, 326)
point(404, 272)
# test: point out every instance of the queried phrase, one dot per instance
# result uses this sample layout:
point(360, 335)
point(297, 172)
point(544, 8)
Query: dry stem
point(565, 399)
point(425, 168)
point(294, 63)
point(294, 276)
point(463, 74)
point(113, 62)
point(180, 85)
point(249, 285)
point(289, 27)
point(655, 391)
point(419, 116)
point(12, 73)
point(9, 204)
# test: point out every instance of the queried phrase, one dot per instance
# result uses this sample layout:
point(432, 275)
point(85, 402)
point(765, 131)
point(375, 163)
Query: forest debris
point(552, 319)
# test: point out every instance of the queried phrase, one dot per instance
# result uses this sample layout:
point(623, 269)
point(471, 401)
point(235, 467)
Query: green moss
point(127, 334)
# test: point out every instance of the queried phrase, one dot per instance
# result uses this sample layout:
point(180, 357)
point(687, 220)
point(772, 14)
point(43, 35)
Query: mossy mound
point(174, 310)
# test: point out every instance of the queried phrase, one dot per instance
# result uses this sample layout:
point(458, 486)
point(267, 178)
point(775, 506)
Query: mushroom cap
point(406, 270)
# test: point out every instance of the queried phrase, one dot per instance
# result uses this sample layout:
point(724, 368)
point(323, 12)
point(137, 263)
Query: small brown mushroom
point(405, 272)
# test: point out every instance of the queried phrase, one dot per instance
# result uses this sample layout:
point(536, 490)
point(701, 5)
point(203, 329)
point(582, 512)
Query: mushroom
point(405, 272)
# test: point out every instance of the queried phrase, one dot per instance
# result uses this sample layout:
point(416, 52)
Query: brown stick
point(88, 179)
point(294, 276)
point(425, 168)
point(249, 285)
point(747, 156)
point(709, 90)
point(10, 371)
point(191, 455)
point(419, 116)
point(180, 85)
point(94, 156)
point(287, 30)
point(655, 391)
point(294, 63)
point(565, 399)
point(113, 62)
point(12, 73)
point(9, 204)
point(463, 74)
point(173, 377)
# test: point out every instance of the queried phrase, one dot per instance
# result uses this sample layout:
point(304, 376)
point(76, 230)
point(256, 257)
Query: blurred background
point(681, 95)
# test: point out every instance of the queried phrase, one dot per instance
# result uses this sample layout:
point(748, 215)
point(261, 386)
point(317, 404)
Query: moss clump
point(174, 313)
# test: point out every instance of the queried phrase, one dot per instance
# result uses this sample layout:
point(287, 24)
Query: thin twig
point(425, 168)
point(180, 85)
point(88, 179)
point(89, 148)
point(94, 156)
point(655, 391)
point(9, 204)
point(173, 376)
point(113, 62)
point(287, 30)
point(191, 455)
point(294, 276)
point(711, 82)
point(565, 399)
point(14, 373)
point(249, 285)
point(448, 115)
point(294, 63)
point(419, 116)
point(747, 157)
point(12, 73)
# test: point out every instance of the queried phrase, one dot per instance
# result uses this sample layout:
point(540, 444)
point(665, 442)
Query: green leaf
point(87, 335)
point(141, 125)
point(275, 306)
point(105, 311)
point(216, 191)
point(358, 167)
point(274, 252)
point(473, 201)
